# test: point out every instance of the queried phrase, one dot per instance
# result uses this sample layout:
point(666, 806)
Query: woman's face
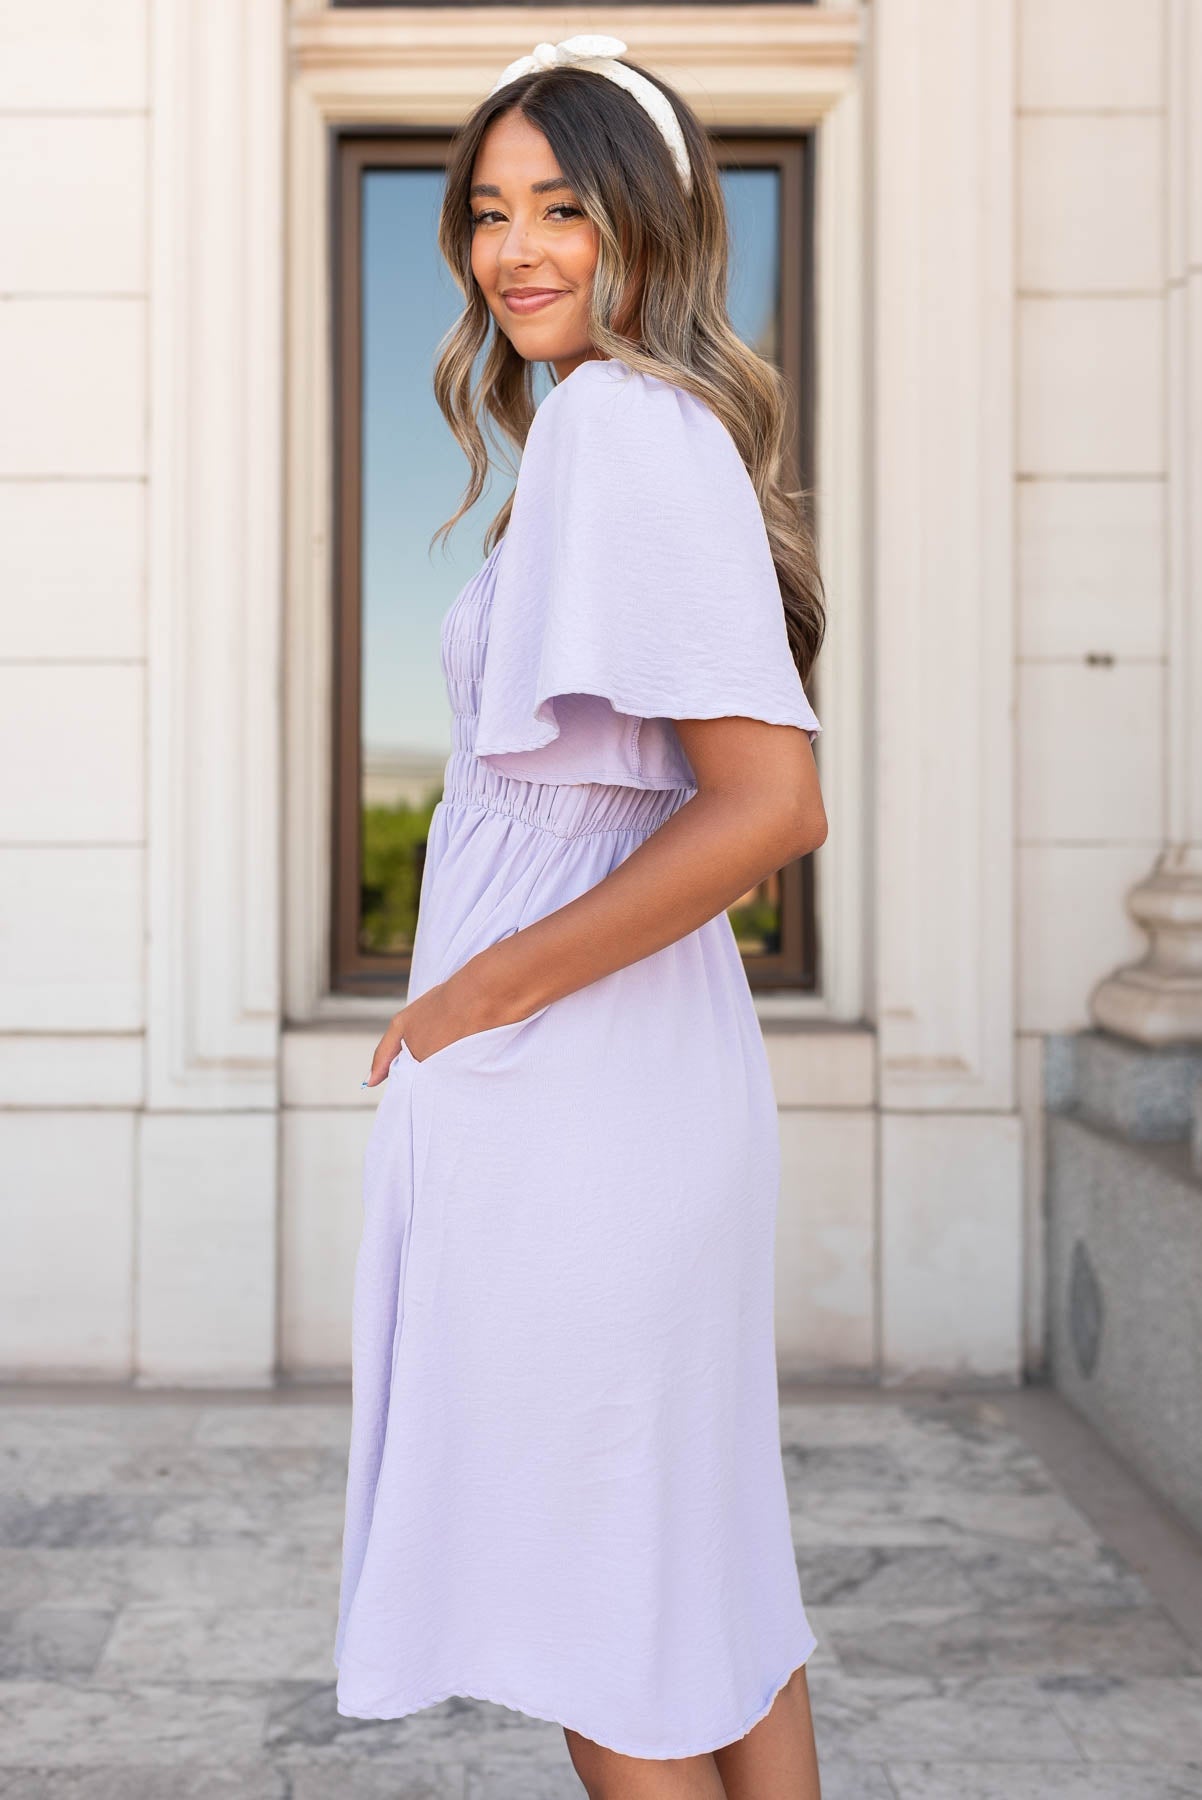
point(526, 239)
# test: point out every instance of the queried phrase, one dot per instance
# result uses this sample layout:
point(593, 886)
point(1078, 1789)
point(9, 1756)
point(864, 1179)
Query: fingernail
point(363, 1084)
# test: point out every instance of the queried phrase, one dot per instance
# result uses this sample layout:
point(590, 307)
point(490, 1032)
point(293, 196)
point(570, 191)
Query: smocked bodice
point(567, 810)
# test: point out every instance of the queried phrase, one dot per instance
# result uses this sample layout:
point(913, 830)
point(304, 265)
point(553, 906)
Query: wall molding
point(843, 865)
point(753, 63)
point(943, 372)
point(215, 499)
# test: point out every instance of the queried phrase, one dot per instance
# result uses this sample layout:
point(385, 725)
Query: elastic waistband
point(566, 810)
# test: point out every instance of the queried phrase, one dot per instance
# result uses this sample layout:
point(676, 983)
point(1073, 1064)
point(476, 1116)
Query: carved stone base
point(1159, 999)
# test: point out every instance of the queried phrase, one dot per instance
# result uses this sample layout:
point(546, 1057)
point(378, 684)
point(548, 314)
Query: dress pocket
point(475, 1045)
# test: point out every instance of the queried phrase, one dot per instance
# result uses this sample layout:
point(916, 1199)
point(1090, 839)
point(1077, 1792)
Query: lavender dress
point(565, 1491)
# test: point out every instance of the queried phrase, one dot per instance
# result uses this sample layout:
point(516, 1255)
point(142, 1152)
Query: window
point(399, 473)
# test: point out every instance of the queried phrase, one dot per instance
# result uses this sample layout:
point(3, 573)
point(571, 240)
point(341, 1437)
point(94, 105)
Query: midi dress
point(565, 1490)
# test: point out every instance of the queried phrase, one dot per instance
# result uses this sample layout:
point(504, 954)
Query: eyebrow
point(536, 187)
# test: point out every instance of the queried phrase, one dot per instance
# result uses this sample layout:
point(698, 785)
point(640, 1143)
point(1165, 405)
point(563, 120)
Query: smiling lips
point(528, 300)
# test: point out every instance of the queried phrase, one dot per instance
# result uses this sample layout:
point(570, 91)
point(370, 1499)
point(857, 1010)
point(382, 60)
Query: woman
point(565, 1490)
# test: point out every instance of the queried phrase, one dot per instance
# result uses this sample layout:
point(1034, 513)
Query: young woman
point(565, 1491)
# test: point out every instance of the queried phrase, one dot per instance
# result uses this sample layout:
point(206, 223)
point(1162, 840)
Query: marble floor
point(1002, 1612)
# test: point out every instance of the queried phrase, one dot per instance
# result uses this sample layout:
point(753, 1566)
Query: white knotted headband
point(597, 54)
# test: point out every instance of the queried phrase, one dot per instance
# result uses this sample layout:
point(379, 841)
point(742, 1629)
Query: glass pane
point(413, 472)
point(753, 207)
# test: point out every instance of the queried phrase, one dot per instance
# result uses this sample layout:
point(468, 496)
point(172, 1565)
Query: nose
point(517, 247)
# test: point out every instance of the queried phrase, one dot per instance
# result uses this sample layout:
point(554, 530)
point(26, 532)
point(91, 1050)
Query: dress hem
point(404, 1708)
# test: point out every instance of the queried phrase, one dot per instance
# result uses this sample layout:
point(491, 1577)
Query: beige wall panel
point(71, 743)
point(1091, 568)
point(206, 1255)
point(1091, 753)
point(1073, 927)
point(73, 55)
point(951, 1281)
point(73, 570)
point(73, 205)
point(1090, 53)
point(71, 941)
point(1090, 387)
point(84, 1069)
point(65, 1277)
point(321, 1222)
point(73, 376)
point(825, 1243)
point(1090, 203)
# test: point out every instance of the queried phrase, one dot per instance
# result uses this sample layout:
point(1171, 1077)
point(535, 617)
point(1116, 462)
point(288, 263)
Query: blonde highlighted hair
point(662, 256)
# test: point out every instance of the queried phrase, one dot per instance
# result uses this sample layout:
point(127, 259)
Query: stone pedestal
point(1149, 1096)
point(1124, 1243)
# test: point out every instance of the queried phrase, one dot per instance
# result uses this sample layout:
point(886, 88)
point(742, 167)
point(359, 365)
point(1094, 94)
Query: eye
point(560, 206)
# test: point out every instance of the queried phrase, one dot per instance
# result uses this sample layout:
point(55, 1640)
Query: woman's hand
point(443, 1013)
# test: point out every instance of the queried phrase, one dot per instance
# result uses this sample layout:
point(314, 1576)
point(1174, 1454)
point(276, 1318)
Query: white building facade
point(1008, 332)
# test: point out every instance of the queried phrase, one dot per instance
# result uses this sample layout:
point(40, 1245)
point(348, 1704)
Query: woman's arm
point(757, 807)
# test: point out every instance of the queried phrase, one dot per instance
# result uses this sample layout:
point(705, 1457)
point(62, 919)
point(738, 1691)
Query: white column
point(943, 378)
point(1159, 999)
point(208, 1159)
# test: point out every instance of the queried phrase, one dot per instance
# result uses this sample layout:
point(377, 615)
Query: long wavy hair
point(658, 303)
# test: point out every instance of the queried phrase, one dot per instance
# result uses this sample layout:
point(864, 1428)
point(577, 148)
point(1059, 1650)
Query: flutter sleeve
point(634, 586)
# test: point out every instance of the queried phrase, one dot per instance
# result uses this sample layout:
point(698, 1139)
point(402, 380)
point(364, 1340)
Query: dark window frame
point(794, 967)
